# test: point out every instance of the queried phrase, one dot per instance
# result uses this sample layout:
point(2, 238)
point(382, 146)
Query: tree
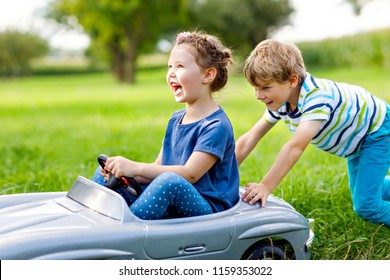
point(124, 28)
point(17, 49)
point(241, 24)
point(357, 5)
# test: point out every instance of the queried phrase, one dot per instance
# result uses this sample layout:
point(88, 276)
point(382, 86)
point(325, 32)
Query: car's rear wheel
point(265, 251)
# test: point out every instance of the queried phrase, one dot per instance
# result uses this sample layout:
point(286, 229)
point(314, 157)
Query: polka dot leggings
point(168, 196)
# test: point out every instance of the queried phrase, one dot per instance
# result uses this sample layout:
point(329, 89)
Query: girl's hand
point(120, 166)
point(104, 173)
point(255, 192)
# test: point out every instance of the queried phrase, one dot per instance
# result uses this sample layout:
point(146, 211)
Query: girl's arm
point(247, 142)
point(287, 157)
point(196, 166)
point(143, 180)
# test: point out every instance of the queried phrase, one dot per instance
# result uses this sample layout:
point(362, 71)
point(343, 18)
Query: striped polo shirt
point(349, 113)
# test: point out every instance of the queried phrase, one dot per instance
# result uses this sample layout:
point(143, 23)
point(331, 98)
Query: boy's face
point(275, 94)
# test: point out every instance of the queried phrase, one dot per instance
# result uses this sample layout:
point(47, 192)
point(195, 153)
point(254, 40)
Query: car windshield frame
point(99, 199)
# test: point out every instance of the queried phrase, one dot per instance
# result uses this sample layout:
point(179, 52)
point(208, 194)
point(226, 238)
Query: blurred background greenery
point(122, 32)
point(59, 112)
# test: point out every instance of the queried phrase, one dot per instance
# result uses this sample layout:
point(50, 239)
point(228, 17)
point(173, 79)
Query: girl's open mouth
point(175, 87)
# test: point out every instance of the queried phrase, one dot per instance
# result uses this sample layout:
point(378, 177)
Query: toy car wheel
point(266, 251)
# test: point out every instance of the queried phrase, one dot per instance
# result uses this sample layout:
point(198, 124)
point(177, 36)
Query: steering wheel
point(113, 183)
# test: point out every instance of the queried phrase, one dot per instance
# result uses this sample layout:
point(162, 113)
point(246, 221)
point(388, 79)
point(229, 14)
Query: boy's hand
point(255, 192)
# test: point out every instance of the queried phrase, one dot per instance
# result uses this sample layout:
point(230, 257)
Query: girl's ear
point(209, 75)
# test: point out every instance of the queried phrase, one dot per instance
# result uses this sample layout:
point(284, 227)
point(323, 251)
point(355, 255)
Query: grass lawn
point(54, 127)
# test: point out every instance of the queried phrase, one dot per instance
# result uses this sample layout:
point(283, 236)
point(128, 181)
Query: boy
point(342, 119)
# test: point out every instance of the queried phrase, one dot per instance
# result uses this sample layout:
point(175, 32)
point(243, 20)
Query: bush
point(362, 50)
point(17, 50)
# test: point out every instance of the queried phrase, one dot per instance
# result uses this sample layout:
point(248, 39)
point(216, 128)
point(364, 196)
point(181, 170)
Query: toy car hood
point(44, 220)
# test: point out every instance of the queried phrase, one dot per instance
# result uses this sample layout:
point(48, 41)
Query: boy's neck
point(294, 98)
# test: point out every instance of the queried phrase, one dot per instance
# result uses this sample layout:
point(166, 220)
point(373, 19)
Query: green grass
point(54, 127)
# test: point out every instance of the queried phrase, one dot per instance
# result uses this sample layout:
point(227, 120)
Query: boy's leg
point(171, 193)
point(386, 128)
point(353, 165)
point(386, 189)
point(371, 185)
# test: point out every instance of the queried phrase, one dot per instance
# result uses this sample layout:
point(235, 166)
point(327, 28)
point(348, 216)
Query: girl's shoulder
point(178, 114)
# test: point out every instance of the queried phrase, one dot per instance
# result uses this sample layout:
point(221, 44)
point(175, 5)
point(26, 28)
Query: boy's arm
point(247, 142)
point(287, 157)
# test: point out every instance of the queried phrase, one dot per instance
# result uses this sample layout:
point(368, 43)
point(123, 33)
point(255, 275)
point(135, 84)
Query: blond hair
point(274, 61)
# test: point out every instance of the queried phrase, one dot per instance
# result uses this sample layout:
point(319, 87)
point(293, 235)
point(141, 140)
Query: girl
point(196, 172)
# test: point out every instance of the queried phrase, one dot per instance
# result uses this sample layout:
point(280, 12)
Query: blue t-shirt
point(213, 135)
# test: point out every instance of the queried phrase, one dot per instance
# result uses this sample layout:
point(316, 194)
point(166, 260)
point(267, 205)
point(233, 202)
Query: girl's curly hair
point(209, 52)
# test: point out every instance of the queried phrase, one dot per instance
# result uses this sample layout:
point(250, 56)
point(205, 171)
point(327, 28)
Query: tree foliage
point(126, 28)
point(242, 24)
point(357, 5)
point(17, 49)
point(123, 27)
